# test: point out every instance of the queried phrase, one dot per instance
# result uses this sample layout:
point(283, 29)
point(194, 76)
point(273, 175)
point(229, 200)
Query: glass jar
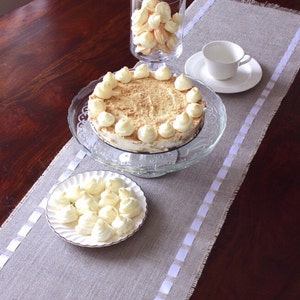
point(157, 29)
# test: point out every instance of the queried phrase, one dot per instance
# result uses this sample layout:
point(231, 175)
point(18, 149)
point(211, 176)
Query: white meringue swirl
point(124, 127)
point(102, 231)
point(147, 133)
point(105, 119)
point(195, 110)
point(123, 75)
point(162, 73)
point(166, 130)
point(141, 71)
point(193, 95)
point(182, 83)
point(182, 122)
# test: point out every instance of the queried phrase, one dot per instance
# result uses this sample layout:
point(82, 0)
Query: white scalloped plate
point(67, 231)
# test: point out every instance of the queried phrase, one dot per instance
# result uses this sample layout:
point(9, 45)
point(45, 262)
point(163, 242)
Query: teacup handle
point(245, 59)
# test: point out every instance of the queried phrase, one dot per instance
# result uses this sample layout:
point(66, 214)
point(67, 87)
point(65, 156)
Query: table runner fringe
point(270, 5)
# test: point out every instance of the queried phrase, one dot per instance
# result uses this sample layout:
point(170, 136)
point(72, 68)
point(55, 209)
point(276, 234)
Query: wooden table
point(50, 49)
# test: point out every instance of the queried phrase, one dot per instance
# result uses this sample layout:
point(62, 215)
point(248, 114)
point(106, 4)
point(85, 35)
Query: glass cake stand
point(148, 165)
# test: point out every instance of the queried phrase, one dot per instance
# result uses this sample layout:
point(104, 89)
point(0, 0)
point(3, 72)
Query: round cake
point(146, 111)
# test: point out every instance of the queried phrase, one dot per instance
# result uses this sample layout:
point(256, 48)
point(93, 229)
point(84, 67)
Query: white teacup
point(222, 58)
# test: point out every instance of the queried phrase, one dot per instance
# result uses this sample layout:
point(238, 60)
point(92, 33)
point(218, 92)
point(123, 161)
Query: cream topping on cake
point(140, 113)
point(182, 122)
point(166, 130)
point(195, 110)
point(182, 83)
point(162, 73)
point(124, 127)
point(193, 95)
point(147, 133)
point(141, 71)
point(109, 77)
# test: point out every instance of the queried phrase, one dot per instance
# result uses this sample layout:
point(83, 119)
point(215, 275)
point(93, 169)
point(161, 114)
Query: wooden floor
point(7, 6)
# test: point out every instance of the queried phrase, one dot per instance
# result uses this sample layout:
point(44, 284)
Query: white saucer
point(248, 75)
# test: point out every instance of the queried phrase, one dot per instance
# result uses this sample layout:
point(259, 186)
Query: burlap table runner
point(164, 259)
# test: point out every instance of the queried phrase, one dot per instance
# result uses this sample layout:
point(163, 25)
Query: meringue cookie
point(114, 184)
point(105, 119)
point(193, 95)
point(59, 199)
point(130, 207)
point(102, 231)
point(74, 193)
point(161, 35)
point(103, 90)
point(85, 204)
point(141, 71)
point(124, 127)
point(166, 130)
point(122, 224)
point(108, 213)
point(109, 77)
point(125, 192)
point(149, 4)
point(147, 39)
point(143, 50)
point(94, 186)
point(162, 73)
point(171, 26)
point(86, 222)
point(137, 29)
point(182, 83)
point(67, 214)
point(154, 21)
point(163, 9)
point(182, 122)
point(95, 106)
point(177, 18)
point(147, 133)
point(139, 16)
point(172, 41)
point(109, 198)
point(123, 75)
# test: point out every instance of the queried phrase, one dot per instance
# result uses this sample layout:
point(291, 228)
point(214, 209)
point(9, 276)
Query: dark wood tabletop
point(51, 49)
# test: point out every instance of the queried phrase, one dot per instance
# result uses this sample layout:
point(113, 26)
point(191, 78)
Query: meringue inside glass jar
point(157, 29)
